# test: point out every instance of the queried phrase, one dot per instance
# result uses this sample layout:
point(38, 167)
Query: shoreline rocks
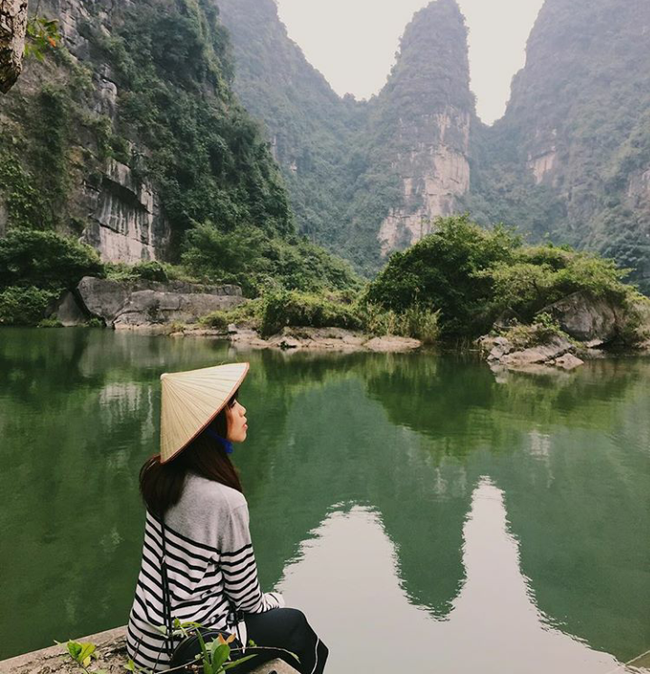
point(557, 352)
point(308, 339)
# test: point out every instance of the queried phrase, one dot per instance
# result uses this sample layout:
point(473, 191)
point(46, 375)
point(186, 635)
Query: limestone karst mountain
point(417, 136)
point(130, 137)
point(364, 178)
point(570, 160)
point(134, 134)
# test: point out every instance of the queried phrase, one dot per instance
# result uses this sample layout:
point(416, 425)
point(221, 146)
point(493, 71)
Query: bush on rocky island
point(277, 309)
point(474, 276)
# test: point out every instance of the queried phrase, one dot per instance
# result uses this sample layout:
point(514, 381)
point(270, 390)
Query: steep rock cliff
point(420, 124)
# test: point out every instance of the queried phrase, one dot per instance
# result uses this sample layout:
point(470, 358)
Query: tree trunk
point(13, 24)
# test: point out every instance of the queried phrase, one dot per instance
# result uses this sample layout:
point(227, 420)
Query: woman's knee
point(296, 623)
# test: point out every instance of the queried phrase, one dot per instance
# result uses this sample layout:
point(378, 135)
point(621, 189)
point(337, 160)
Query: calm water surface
point(428, 516)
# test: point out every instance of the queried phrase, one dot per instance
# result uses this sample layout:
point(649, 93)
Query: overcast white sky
point(353, 42)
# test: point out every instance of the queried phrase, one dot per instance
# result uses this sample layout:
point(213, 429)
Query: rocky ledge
point(137, 304)
point(111, 658)
point(314, 339)
point(557, 352)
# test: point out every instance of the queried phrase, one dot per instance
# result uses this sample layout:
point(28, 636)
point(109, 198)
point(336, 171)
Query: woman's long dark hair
point(161, 484)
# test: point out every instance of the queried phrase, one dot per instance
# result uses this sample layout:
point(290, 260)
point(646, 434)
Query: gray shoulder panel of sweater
point(211, 513)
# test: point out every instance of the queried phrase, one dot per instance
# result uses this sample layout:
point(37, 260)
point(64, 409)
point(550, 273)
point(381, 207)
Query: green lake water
point(427, 515)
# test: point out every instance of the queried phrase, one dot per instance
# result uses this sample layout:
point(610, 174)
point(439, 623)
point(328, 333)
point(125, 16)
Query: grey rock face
point(585, 317)
point(147, 307)
point(103, 298)
point(69, 313)
point(126, 224)
point(145, 303)
point(543, 354)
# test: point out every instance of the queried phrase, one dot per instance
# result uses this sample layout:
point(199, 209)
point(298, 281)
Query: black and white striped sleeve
point(238, 566)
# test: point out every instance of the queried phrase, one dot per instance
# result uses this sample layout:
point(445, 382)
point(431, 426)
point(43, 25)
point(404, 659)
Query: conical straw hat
point(191, 400)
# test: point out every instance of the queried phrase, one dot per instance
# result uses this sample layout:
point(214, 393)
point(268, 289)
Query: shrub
point(45, 260)
point(217, 320)
point(442, 271)
point(290, 308)
point(151, 271)
point(423, 324)
point(415, 321)
point(25, 306)
point(49, 323)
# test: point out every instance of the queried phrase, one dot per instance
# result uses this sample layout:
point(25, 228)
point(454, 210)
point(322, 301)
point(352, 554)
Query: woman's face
point(237, 427)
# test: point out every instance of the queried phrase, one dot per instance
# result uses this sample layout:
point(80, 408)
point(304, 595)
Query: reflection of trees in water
point(79, 414)
point(574, 478)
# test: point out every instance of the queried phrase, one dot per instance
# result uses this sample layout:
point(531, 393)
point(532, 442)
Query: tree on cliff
point(13, 30)
point(21, 37)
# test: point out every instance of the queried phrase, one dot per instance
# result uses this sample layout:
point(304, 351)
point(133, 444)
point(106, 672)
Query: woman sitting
point(198, 563)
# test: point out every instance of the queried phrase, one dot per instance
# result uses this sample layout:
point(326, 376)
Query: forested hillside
point(310, 127)
point(129, 136)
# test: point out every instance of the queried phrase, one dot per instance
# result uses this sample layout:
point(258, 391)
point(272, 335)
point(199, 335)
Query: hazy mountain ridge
point(309, 126)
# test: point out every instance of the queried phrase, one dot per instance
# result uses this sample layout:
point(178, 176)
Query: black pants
point(288, 629)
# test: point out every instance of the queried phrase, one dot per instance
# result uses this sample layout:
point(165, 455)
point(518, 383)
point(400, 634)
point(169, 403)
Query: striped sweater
point(211, 569)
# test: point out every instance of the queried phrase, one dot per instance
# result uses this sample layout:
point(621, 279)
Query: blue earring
point(227, 445)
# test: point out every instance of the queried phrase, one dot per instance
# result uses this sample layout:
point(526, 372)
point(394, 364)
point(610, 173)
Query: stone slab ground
point(111, 649)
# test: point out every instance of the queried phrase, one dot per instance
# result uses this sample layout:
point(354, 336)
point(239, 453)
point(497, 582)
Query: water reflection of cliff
point(494, 625)
point(571, 455)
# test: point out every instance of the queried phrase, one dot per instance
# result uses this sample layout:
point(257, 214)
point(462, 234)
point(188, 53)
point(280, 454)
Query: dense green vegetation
point(277, 309)
point(474, 276)
point(256, 261)
point(45, 260)
point(35, 268)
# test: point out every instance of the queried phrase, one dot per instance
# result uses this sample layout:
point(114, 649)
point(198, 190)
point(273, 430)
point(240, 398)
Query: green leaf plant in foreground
point(215, 656)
